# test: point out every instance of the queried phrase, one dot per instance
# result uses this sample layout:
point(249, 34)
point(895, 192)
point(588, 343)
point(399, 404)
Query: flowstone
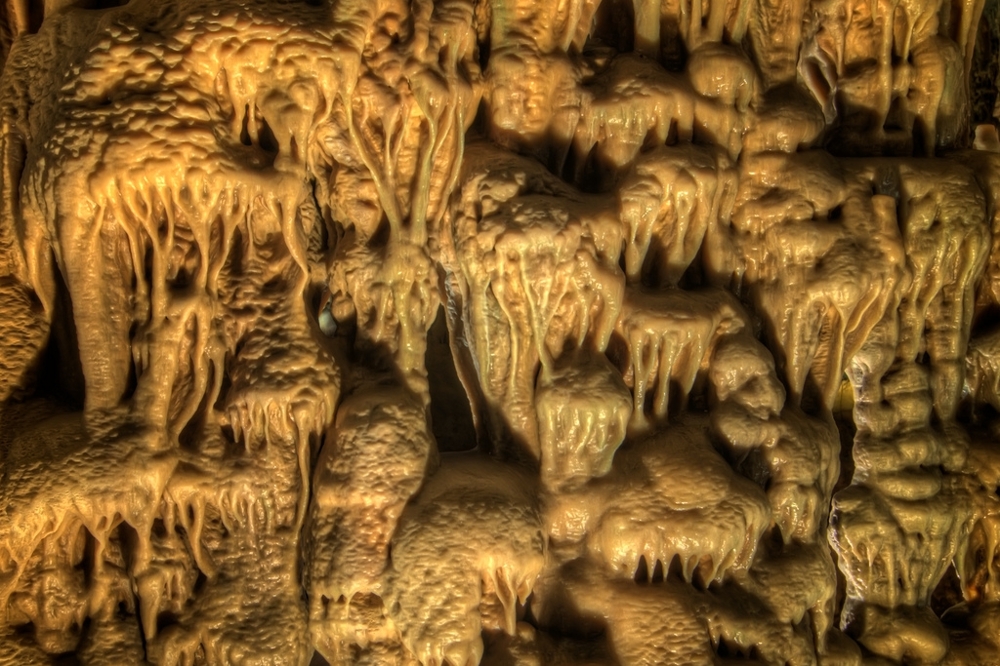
point(458, 332)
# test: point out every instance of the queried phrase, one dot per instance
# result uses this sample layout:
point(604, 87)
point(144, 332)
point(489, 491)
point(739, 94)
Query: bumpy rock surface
point(499, 331)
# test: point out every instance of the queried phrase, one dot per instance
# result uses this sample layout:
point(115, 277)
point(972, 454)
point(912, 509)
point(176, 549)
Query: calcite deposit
point(531, 332)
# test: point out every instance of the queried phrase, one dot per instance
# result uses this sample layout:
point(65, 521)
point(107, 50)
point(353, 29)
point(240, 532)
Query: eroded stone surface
point(715, 378)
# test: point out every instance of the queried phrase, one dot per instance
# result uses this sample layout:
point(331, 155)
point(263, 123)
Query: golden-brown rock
point(498, 331)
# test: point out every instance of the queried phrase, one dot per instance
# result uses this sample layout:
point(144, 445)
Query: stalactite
point(684, 251)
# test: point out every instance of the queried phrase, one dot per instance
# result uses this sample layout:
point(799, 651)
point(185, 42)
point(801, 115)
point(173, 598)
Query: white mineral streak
point(685, 251)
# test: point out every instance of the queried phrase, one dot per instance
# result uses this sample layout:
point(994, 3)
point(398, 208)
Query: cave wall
point(499, 331)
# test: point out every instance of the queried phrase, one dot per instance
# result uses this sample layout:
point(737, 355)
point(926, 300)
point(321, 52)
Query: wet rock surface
point(704, 298)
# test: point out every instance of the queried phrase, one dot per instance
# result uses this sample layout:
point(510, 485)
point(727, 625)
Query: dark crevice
point(451, 412)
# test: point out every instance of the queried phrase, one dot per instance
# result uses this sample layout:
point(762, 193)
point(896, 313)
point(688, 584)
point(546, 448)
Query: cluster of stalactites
point(225, 166)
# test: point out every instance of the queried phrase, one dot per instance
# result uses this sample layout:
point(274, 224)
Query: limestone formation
point(457, 332)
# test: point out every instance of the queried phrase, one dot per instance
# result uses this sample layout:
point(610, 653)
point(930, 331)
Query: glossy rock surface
point(499, 331)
